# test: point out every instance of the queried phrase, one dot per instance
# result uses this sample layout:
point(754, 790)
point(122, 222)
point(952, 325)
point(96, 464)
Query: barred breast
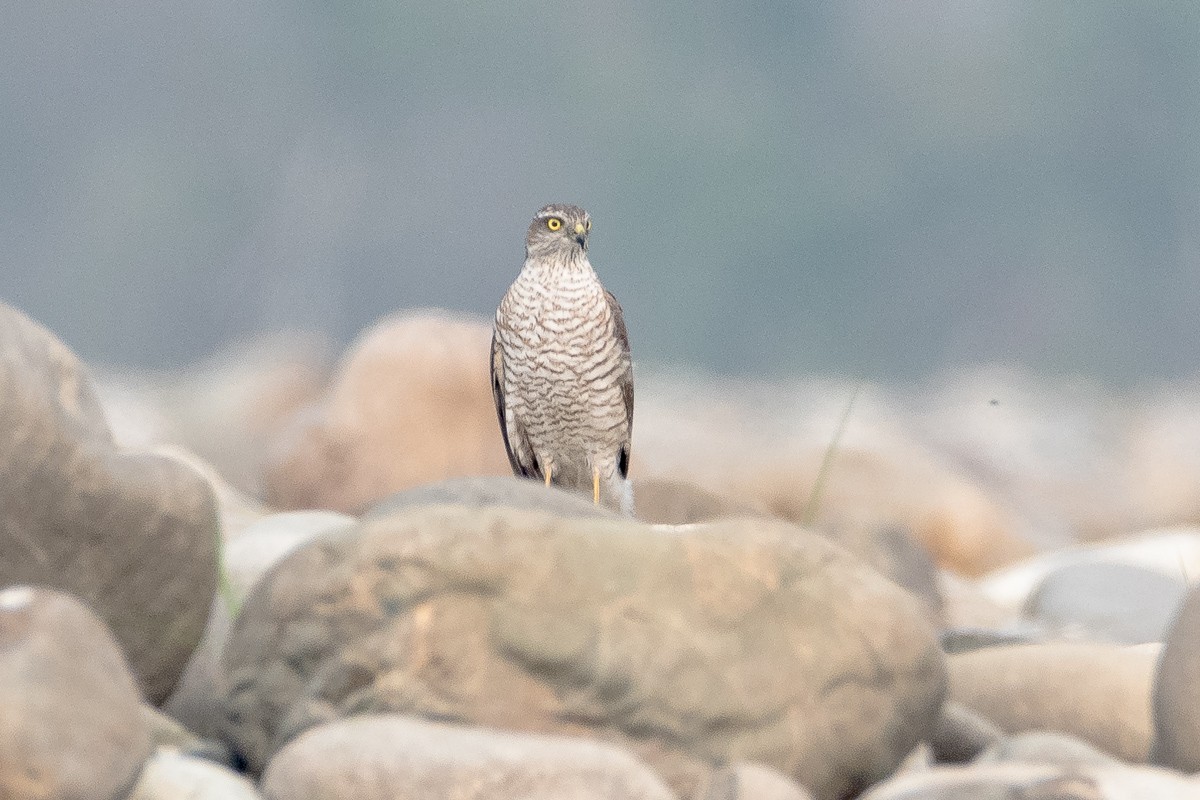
point(563, 365)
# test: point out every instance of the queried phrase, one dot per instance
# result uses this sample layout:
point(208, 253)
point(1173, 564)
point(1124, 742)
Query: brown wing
point(625, 379)
point(516, 445)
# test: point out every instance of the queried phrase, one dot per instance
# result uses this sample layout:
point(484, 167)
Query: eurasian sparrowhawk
point(562, 376)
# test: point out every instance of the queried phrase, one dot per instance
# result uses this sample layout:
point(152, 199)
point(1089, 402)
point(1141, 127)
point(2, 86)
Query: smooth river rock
point(134, 534)
point(690, 647)
point(71, 724)
point(390, 756)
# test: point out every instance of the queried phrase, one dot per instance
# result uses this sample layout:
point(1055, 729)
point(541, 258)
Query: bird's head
point(558, 231)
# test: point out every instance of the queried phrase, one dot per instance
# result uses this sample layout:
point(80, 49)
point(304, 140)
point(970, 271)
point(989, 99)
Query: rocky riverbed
point(284, 575)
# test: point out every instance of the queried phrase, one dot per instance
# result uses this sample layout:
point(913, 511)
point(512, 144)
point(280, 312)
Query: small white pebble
point(16, 598)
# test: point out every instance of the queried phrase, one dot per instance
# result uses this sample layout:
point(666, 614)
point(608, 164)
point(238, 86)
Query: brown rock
point(954, 519)
point(71, 725)
point(746, 638)
point(231, 408)
point(390, 756)
point(665, 501)
point(1162, 464)
point(1099, 693)
point(410, 404)
point(133, 534)
point(768, 446)
point(891, 549)
point(896, 553)
point(744, 781)
point(1177, 691)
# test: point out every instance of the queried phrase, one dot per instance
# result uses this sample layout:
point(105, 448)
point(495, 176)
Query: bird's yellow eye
point(554, 223)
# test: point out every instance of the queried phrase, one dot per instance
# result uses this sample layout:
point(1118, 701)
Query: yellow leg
point(548, 471)
point(596, 486)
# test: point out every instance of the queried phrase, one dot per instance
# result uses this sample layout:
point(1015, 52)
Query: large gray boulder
point(690, 647)
point(133, 534)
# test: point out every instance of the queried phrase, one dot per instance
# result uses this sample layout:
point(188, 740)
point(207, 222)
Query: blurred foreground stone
point(133, 534)
point(742, 639)
point(71, 724)
point(1121, 603)
point(744, 781)
point(1097, 692)
point(173, 776)
point(1046, 747)
point(382, 757)
point(1173, 553)
point(1177, 691)
point(1023, 781)
point(195, 701)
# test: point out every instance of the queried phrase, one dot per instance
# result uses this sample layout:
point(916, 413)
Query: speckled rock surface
point(746, 638)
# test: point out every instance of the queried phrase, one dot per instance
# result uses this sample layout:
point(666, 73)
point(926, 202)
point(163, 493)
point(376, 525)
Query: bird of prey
point(562, 375)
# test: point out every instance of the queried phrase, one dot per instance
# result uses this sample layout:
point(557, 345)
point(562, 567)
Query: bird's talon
point(596, 486)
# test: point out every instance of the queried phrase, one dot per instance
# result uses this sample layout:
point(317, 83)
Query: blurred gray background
point(870, 188)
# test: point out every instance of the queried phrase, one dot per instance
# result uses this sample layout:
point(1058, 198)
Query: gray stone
point(964, 640)
point(71, 725)
point(390, 756)
point(167, 733)
point(170, 775)
point(1122, 603)
point(195, 702)
point(133, 534)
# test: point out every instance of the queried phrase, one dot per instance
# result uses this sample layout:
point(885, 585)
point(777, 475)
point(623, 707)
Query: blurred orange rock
point(409, 404)
point(765, 446)
point(955, 520)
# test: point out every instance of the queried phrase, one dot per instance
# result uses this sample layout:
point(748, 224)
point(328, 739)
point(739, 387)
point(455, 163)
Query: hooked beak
point(581, 235)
